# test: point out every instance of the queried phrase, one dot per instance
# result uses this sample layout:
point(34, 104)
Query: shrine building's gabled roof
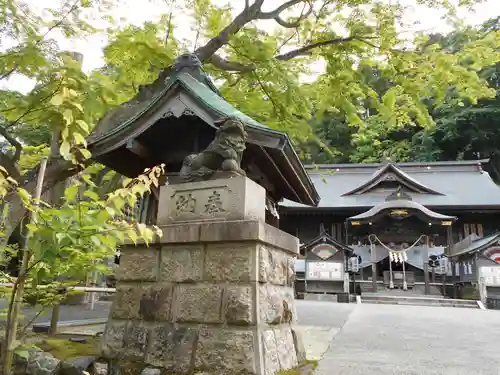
point(401, 205)
point(435, 185)
point(390, 172)
point(477, 244)
point(185, 89)
point(325, 238)
point(206, 93)
point(324, 247)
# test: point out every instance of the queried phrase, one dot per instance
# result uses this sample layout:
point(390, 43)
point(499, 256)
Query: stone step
point(420, 301)
point(422, 304)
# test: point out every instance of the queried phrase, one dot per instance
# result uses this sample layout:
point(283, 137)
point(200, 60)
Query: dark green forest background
point(464, 131)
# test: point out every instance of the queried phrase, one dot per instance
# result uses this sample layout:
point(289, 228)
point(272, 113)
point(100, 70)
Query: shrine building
point(426, 228)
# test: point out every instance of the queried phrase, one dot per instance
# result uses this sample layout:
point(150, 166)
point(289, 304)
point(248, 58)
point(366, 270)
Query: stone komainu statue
point(224, 153)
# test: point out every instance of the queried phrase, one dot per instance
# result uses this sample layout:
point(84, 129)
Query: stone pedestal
point(214, 295)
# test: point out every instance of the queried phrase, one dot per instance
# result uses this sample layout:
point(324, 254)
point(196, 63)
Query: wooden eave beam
point(138, 149)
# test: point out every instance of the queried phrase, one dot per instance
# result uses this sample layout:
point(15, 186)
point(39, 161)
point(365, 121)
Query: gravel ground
point(413, 340)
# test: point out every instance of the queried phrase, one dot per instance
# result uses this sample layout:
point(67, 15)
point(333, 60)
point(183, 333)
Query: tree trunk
point(57, 170)
point(18, 290)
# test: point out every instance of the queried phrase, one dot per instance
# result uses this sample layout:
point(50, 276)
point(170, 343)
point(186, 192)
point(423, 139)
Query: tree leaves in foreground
point(69, 242)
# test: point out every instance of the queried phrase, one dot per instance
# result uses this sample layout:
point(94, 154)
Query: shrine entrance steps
point(398, 299)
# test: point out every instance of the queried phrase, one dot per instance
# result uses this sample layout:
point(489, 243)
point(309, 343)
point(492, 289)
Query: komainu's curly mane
point(223, 154)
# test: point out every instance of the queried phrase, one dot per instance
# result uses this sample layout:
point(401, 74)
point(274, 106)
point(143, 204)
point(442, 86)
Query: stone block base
point(212, 298)
point(187, 349)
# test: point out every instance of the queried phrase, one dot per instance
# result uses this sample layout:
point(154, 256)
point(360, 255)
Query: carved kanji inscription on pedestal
point(185, 203)
point(214, 203)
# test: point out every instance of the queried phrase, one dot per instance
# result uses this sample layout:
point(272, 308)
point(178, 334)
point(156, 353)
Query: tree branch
point(275, 14)
point(249, 14)
point(10, 167)
point(317, 16)
point(285, 42)
point(206, 53)
point(57, 170)
point(34, 108)
point(305, 50)
point(167, 37)
point(14, 142)
point(266, 92)
point(230, 66)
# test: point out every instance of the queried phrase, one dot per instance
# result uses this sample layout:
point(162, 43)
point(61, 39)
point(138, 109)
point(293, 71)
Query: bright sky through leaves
point(130, 12)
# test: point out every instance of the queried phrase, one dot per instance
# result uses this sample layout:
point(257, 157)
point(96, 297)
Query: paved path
point(414, 340)
point(319, 322)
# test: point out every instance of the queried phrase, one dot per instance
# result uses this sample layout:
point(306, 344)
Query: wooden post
point(347, 288)
point(425, 258)
point(374, 269)
point(443, 278)
point(449, 241)
point(54, 319)
point(453, 277)
point(306, 273)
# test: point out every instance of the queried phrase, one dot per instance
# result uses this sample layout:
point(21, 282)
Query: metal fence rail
point(55, 309)
point(87, 289)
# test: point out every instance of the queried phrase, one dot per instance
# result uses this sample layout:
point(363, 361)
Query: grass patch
point(305, 368)
point(63, 348)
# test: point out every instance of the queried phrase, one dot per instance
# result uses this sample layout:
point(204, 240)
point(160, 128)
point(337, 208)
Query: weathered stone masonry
point(212, 296)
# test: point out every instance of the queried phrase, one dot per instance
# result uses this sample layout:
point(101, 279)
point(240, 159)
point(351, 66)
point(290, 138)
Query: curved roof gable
point(401, 204)
point(391, 172)
point(325, 238)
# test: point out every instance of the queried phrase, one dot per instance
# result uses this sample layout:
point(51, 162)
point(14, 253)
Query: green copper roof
point(200, 91)
point(212, 100)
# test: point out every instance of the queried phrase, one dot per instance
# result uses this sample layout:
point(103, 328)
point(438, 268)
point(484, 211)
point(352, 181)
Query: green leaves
point(25, 196)
point(70, 193)
point(57, 100)
point(72, 240)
